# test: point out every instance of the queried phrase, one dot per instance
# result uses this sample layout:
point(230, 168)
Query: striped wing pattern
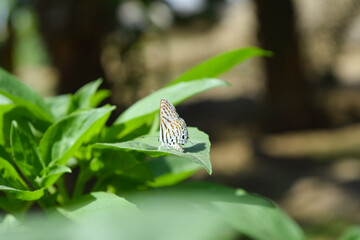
point(173, 130)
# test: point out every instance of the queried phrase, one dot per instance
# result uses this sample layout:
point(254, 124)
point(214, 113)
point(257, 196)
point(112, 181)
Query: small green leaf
point(64, 138)
point(219, 64)
point(52, 175)
point(198, 151)
point(82, 98)
point(175, 94)
point(97, 206)
point(59, 105)
point(22, 95)
point(25, 195)
point(99, 96)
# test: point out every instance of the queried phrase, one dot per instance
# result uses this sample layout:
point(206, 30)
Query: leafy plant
point(121, 176)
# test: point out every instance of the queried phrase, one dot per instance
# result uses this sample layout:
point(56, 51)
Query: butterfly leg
point(163, 145)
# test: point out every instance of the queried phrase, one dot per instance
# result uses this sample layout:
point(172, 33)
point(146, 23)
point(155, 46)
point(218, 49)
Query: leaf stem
point(84, 175)
point(62, 190)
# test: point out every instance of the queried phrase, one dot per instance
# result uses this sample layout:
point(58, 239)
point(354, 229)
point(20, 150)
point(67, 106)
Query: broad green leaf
point(82, 98)
point(59, 105)
point(175, 94)
point(249, 214)
point(25, 153)
point(352, 233)
point(22, 95)
point(11, 182)
point(63, 138)
point(170, 170)
point(220, 64)
point(198, 151)
point(96, 220)
point(97, 206)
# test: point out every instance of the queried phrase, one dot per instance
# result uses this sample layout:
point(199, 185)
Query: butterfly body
point(173, 129)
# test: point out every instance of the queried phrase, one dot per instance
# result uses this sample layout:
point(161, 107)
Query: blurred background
point(289, 126)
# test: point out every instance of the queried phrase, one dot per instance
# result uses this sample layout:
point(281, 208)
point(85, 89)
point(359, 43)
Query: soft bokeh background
point(288, 128)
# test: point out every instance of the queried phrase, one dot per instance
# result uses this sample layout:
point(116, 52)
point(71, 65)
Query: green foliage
point(44, 140)
point(353, 233)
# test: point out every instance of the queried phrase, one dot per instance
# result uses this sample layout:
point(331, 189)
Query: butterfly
point(173, 130)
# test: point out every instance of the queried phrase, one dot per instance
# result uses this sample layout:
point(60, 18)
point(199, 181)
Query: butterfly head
point(184, 135)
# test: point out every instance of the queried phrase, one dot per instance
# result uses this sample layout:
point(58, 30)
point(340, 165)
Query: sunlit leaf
point(21, 95)
point(219, 64)
point(175, 94)
point(198, 151)
point(64, 137)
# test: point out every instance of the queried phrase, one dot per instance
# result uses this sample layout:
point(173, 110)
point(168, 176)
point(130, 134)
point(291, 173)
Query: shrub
point(124, 187)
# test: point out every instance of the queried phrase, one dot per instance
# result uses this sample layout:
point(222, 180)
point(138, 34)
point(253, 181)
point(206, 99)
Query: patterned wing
point(173, 131)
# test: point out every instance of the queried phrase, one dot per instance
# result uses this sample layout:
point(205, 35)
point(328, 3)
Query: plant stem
point(84, 175)
point(62, 189)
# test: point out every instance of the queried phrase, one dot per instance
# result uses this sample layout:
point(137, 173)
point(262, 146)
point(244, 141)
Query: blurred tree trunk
point(73, 31)
point(288, 99)
point(6, 51)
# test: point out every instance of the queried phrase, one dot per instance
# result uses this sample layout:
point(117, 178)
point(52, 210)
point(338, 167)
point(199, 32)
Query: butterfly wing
point(170, 125)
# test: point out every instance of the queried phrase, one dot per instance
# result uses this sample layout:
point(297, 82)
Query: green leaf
point(10, 224)
point(352, 233)
point(25, 153)
point(59, 105)
point(52, 175)
point(82, 98)
point(114, 166)
point(198, 151)
point(25, 195)
point(64, 138)
point(115, 161)
point(97, 206)
point(99, 96)
point(249, 214)
point(219, 64)
point(5, 123)
point(175, 94)
point(22, 95)
point(11, 182)
point(9, 176)
point(170, 170)
point(25, 119)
